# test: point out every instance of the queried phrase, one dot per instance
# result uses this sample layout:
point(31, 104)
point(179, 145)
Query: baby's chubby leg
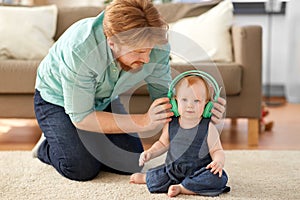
point(138, 178)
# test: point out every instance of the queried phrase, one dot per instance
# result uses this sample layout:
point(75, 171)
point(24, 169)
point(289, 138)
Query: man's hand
point(216, 167)
point(158, 114)
point(144, 157)
point(218, 110)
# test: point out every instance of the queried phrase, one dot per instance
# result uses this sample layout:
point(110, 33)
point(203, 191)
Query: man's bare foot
point(175, 190)
point(138, 178)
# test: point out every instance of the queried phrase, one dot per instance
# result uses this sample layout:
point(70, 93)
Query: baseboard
point(273, 90)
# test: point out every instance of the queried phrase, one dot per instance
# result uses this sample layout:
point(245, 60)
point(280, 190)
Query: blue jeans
point(81, 155)
point(202, 181)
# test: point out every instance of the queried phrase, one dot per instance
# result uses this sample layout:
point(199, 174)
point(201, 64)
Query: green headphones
point(207, 77)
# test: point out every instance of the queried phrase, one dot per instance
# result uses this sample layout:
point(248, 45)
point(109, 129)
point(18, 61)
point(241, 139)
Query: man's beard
point(130, 69)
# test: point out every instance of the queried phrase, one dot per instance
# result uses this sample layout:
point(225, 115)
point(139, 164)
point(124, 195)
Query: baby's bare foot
point(138, 178)
point(174, 190)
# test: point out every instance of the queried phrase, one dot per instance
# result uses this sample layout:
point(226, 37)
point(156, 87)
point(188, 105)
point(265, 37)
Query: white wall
point(276, 73)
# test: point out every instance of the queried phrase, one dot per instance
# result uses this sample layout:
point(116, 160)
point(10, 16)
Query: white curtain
point(293, 68)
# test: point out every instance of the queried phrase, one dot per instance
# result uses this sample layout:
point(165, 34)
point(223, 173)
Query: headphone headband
point(202, 74)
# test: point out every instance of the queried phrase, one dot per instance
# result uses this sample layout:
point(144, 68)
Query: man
point(79, 81)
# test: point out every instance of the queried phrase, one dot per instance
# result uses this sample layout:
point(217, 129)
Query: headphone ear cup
point(174, 108)
point(207, 110)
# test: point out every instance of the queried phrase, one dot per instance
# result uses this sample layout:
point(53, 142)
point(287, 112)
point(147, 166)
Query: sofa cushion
point(228, 76)
point(26, 32)
point(204, 37)
point(172, 12)
point(69, 15)
point(18, 76)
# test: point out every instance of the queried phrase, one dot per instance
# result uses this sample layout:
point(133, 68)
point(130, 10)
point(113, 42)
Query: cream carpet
point(252, 175)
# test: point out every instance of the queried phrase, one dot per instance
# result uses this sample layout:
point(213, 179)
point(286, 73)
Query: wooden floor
point(22, 134)
point(285, 134)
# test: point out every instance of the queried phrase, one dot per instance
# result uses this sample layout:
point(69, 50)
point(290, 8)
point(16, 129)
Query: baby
point(195, 158)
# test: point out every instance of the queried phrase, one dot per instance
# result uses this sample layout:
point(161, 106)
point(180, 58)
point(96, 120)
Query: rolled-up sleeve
point(78, 84)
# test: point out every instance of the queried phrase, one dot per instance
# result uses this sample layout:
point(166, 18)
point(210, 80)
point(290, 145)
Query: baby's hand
point(144, 157)
point(216, 167)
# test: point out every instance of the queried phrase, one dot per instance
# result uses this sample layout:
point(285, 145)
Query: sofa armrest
point(247, 49)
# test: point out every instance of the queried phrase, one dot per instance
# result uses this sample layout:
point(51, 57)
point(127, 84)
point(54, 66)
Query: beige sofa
point(242, 78)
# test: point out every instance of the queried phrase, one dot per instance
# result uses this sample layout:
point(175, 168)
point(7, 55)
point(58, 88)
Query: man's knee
point(79, 170)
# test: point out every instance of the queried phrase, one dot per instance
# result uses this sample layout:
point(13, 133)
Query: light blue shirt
point(80, 73)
